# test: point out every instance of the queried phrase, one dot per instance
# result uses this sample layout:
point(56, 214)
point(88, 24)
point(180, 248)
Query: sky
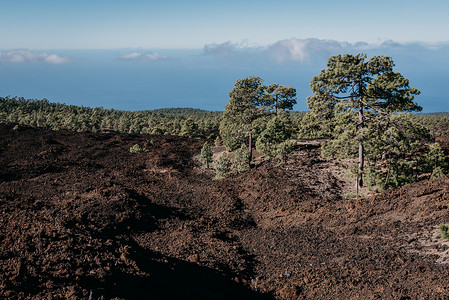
point(46, 46)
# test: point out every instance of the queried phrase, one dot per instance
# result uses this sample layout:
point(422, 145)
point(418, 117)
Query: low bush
point(444, 230)
point(137, 149)
point(223, 167)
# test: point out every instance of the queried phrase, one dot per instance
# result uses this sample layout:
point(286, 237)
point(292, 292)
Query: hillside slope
point(82, 217)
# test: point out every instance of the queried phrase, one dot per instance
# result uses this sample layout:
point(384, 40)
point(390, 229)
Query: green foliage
point(44, 114)
point(284, 149)
point(274, 134)
point(402, 172)
point(244, 107)
point(240, 163)
point(232, 134)
point(312, 127)
point(374, 178)
point(444, 231)
point(190, 129)
point(223, 167)
point(436, 123)
point(218, 142)
point(249, 109)
point(206, 155)
point(137, 149)
point(435, 158)
point(393, 150)
point(437, 174)
point(280, 97)
point(320, 120)
point(355, 100)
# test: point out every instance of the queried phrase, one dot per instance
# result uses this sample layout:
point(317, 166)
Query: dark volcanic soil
point(82, 217)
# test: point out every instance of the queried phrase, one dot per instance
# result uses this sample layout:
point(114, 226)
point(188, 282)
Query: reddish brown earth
point(83, 218)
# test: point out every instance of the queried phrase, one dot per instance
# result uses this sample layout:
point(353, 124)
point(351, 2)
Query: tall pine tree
point(358, 92)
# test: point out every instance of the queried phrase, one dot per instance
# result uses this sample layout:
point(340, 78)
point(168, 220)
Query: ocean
point(184, 78)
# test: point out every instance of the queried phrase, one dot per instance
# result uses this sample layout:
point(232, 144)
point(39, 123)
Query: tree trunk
point(276, 106)
point(388, 174)
point(250, 146)
point(361, 151)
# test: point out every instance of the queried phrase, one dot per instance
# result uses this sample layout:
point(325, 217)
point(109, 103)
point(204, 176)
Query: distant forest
point(56, 116)
point(169, 121)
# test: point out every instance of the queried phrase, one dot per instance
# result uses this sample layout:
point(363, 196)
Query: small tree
point(246, 105)
point(223, 167)
point(284, 149)
point(206, 155)
point(190, 128)
point(250, 106)
point(240, 161)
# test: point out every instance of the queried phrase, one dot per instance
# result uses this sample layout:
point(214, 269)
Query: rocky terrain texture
point(81, 217)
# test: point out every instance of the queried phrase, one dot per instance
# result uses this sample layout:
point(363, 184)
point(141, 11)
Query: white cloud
point(307, 51)
point(228, 48)
point(19, 56)
point(143, 57)
point(302, 50)
point(284, 51)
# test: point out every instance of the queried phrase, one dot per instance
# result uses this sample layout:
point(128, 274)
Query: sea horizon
point(140, 79)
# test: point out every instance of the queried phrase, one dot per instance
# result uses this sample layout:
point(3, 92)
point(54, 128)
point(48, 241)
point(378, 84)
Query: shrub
point(444, 230)
point(218, 142)
point(240, 162)
point(284, 149)
point(137, 149)
point(437, 174)
point(223, 167)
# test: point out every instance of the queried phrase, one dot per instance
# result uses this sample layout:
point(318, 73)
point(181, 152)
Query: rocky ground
point(81, 217)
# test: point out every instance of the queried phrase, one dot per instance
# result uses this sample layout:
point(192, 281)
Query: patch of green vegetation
point(137, 149)
point(444, 230)
point(223, 167)
point(206, 155)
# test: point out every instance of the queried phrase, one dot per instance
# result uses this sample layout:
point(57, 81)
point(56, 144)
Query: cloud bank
point(302, 50)
point(228, 48)
point(305, 50)
point(143, 57)
point(20, 56)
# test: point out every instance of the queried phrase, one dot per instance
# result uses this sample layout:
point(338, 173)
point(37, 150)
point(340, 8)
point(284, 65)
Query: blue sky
point(201, 47)
point(63, 24)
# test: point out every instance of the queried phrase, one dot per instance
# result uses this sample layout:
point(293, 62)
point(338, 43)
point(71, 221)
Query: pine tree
point(206, 155)
point(190, 128)
point(223, 167)
point(359, 93)
point(250, 107)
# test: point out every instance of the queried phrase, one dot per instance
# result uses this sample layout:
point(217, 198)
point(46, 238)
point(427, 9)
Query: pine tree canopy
point(354, 93)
